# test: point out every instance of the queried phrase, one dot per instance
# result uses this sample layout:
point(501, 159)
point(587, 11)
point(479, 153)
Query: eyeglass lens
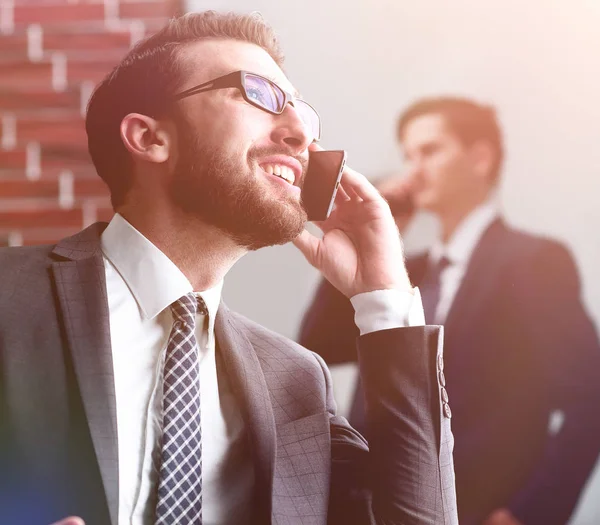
point(269, 96)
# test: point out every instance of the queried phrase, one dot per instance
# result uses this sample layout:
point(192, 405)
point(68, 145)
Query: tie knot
point(185, 308)
point(434, 271)
point(442, 264)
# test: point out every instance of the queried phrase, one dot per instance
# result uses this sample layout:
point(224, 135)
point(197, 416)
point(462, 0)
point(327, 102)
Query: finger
point(351, 192)
point(352, 179)
point(309, 245)
point(357, 183)
point(327, 225)
point(71, 520)
point(341, 195)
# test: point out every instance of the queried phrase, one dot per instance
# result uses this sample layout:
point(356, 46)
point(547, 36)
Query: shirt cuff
point(386, 309)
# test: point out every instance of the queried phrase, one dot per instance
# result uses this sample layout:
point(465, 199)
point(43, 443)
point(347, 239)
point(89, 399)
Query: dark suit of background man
point(519, 344)
point(130, 395)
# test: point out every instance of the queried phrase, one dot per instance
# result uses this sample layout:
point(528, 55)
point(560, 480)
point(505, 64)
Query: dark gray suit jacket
point(58, 430)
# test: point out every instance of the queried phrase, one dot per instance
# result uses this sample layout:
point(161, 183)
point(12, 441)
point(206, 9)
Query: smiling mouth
point(283, 172)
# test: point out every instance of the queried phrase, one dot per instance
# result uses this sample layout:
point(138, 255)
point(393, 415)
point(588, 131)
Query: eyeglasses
point(262, 93)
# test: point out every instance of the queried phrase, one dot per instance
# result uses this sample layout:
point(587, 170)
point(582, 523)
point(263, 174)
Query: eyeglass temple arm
point(230, 80)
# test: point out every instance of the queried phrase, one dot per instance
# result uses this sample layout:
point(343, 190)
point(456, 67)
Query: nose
point(291, 130)
point(413, 169)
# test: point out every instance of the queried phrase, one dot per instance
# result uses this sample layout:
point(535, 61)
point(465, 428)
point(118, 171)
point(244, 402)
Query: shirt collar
point(463, 241)
point(153, 279)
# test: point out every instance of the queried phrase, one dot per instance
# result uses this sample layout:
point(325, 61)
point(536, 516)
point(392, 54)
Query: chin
point(425, 202)
point(269, 224)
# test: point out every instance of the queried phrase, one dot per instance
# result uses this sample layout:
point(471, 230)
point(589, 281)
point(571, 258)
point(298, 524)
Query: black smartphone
point(321, 182)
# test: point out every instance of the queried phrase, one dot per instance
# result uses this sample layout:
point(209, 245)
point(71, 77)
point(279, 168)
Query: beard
point(224, 191)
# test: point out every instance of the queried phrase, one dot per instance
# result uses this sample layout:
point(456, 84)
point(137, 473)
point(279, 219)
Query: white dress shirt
point(459, 250)
point(142, 282)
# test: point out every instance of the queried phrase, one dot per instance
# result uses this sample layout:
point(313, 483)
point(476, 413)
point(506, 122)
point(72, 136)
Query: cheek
point(242, 134)
point(444, 170)
point(222, 121)
point(432, 175)
point(441, 164)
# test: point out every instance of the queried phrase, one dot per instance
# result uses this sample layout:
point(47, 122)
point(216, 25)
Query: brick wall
point(52, 54)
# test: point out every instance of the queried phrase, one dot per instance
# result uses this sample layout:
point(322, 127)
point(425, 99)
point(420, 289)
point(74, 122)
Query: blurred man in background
point(520, 347)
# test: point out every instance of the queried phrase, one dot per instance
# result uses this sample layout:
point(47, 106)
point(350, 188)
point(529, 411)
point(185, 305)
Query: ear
point(146, 138)
point(482, 158)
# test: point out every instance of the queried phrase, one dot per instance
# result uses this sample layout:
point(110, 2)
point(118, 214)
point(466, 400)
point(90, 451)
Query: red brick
point(52, 236)
point(49, 217)
point(151, 9)
point(54, 159)
point(89, 187)
point(22, 73)
point(22, 98)
point(44, 13)
point(84, 171)
point(13, 159)
point(61, 157)
point(18, 73)
point(49, 129)
point(22, 188)
point(84, 41)
point(77, 31)
point(16, 43)
point(153, 25)
point(95, 71)
point(37, 235)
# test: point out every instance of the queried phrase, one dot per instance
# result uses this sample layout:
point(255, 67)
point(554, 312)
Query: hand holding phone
point(360, 249)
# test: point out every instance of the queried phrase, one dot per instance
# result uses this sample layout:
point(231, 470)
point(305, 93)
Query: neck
point(452, 217)
point(203, 253)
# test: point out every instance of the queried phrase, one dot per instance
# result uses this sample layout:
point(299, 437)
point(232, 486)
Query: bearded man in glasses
point(130, 394)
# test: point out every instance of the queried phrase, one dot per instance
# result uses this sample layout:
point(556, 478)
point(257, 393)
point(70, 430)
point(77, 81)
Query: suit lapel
point(250, 388)
point(81, 289)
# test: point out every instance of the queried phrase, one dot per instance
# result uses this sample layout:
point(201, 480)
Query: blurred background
point(359, 63)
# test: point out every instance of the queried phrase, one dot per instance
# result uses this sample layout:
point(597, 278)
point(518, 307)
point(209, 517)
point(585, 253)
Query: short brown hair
point(146, 78)
point(469, 120)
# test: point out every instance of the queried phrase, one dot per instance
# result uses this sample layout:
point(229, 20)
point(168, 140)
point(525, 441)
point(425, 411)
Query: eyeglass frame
point(236, 79)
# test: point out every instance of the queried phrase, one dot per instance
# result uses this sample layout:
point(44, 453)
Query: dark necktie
point(430, 288)
point(180, 472)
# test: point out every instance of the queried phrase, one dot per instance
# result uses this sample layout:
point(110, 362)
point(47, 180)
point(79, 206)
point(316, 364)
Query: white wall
point(360, 62)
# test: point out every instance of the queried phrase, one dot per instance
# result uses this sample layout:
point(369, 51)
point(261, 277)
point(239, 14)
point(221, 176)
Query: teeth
point(279, 170)
point(290, 177)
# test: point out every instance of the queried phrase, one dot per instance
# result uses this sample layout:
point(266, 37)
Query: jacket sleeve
point(564, 337)
point(406, 473)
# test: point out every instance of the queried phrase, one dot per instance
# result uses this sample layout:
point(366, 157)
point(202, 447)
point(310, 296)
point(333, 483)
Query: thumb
point(309, 245)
